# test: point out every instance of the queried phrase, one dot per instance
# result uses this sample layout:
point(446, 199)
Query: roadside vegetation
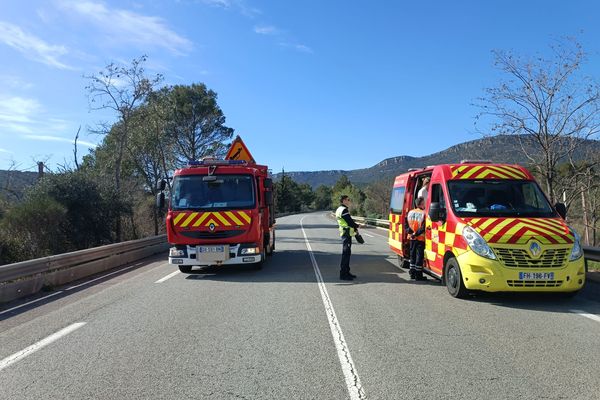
point(109, 196)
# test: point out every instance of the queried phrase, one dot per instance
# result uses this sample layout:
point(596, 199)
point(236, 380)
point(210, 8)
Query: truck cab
point(220, 213)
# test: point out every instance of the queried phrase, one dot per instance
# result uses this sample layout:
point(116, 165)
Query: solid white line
point(366, 234)
point(350, 373)
point(172, 274)
point(102, 277)
point(587, 315)
point(41, 344)
point(31, 302)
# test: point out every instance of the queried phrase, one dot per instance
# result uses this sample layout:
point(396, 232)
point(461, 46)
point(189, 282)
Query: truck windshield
point(201, 192)
point(498, 198)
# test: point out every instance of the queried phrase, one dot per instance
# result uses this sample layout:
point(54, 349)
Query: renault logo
point(535, 249)
point(211, 227)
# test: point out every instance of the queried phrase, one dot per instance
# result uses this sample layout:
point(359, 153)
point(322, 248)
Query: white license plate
point(536, 276)
point(211, 249)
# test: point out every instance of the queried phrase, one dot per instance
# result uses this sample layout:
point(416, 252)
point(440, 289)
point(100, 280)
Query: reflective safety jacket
point(415, 223)
point(345, 221)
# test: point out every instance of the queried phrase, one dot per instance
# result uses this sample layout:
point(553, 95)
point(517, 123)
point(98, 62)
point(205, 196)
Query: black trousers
point(417, 251)
point(346, 253)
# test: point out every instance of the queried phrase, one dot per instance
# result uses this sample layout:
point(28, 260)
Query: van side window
point(397, 201)
point(437, 195)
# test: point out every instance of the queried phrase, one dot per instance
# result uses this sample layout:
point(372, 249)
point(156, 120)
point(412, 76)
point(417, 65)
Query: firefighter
point(348, 228)
point(415, 228)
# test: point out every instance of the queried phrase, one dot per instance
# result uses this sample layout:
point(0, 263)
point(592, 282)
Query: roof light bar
point(475, 161)
point(195, 163)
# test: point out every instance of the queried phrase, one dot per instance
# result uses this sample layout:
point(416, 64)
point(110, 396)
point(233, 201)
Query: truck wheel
point(453, 278)
point(268, 246)
point(403, 263)
point(186, 269)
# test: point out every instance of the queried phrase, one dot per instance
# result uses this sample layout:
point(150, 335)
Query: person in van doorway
point(424, 191)
point(348, 228)
point(415, 228)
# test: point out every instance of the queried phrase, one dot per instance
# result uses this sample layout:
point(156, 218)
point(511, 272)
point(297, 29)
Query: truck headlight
point(175, 252)
point(250, 250)
point(577, 251)
point(477, 243)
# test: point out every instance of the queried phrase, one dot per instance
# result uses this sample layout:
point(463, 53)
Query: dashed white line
point(366, 234)
point(172, 274)
point(350, 373)
point(587, 315)
point(41, 344)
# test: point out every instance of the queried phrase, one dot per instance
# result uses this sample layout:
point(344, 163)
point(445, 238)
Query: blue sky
point(309, 85)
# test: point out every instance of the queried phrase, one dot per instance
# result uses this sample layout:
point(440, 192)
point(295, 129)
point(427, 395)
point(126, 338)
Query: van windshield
point(201, 192)
point(498, 198)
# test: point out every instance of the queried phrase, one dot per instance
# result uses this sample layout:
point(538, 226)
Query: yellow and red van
point(489, 227)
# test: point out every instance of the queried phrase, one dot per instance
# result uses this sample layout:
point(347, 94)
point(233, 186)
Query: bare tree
point(547, 103)
point(121, 89)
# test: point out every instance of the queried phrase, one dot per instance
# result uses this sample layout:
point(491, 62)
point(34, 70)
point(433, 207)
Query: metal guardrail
point(27, 277)
point(373, 221)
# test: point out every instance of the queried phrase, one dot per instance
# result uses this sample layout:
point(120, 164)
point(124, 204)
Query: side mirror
point(269, 198)
point(268, 183)
point(161, 185)
point(160, 200)
point(436, 213)
point(561, 209)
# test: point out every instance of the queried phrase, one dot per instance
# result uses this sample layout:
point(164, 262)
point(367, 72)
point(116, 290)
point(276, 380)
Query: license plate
point(211, 249)
point(536, 276)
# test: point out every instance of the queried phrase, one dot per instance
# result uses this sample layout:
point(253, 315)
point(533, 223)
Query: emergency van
point(489, 227)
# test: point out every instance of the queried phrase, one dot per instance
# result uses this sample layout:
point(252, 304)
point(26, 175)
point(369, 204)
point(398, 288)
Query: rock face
point(501, 149)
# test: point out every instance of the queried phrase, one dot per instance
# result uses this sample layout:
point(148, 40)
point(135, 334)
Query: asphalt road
point(294, 331)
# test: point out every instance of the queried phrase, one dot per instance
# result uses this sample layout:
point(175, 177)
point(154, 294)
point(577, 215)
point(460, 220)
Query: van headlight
point(576, 251)
point(477, 243)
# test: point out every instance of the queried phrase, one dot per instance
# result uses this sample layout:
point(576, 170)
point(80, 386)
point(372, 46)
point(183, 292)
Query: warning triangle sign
point(239, 151)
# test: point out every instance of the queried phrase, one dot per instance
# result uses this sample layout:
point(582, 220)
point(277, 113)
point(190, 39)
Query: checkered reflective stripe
point(487, 172)
point(206, 219)
point(521, 230)
point(395, 231)
point(443, 238)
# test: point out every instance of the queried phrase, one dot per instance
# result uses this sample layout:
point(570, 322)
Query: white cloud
point(5, 151)
point(129, 27)
point(14, 82)
point(303, 48)
point(49, 138)
point(238, 5)
point(266, 30)
point(31, 46)
point(17, 110)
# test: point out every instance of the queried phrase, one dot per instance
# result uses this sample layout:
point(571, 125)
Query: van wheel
point(453, 278)
point(403, 263)
point(186, 269)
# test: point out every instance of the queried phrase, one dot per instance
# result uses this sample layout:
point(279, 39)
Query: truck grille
point(212, 235)
point(534, 283)
point(520, 258)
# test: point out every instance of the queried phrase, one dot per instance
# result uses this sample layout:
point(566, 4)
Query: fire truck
point(220, 212)
point(489, 227)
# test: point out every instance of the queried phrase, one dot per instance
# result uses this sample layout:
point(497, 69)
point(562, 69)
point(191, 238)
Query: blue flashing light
point(195, 163)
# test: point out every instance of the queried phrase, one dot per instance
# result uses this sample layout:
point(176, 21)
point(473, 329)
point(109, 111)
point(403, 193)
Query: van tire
point(403, 262)
point(453, 279)
point(186, 269)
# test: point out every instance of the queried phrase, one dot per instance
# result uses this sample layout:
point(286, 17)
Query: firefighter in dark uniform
point(415, 228)
point(348, 229)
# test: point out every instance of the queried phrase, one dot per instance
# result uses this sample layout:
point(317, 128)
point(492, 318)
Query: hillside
point(14, 183)
point(505, 149)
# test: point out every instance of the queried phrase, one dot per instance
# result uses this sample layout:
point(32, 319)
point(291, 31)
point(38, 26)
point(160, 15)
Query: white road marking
point(102, 277)
point(31, 302)
point(587, 315)
point(172, 274)
point(350, 373)
point(366, 234)
point(41, 344)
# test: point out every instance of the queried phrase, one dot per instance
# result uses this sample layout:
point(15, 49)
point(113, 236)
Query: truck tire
point(270, 248)
point(186, 269)
point(453, 278)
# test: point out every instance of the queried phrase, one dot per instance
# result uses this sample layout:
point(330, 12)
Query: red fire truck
point(220, 212)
